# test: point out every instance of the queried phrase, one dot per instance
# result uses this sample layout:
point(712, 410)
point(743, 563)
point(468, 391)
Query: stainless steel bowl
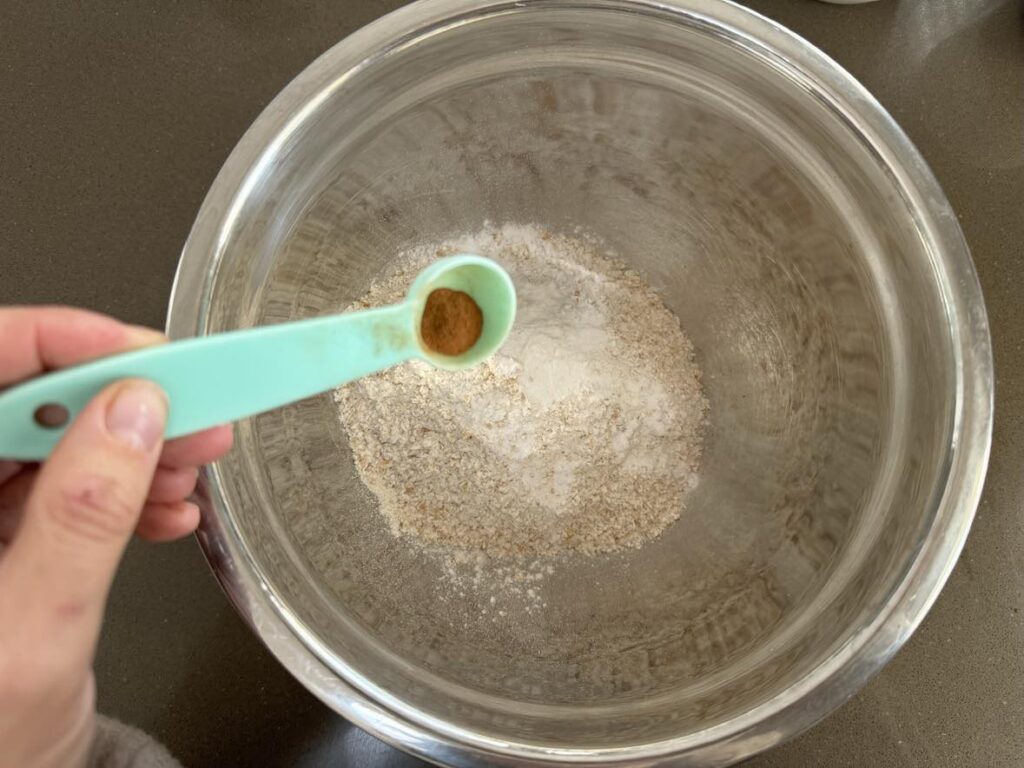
point(813, 261)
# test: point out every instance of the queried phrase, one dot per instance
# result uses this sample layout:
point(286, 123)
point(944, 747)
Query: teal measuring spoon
point(215, 379)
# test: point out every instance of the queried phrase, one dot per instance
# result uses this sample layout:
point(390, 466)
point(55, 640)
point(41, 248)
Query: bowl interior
point(767, 225)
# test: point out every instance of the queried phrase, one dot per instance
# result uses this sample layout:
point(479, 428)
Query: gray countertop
point(116, 116)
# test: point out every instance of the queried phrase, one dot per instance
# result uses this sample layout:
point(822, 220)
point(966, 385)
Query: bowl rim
point(835, 679)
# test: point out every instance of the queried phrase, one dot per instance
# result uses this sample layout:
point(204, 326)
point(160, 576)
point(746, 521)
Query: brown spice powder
point(451, 323)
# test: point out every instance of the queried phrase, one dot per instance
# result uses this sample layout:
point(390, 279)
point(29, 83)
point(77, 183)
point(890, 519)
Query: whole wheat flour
point(581, 435)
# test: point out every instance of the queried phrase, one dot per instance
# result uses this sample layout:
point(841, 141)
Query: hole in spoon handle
point(51, 416)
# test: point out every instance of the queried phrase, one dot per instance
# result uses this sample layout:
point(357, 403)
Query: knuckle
point(95, 507)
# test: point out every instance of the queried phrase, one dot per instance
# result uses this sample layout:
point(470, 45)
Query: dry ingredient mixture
point(581, 435)
point(451, 322)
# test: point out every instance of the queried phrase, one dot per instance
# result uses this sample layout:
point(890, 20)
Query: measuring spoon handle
point(215, 379)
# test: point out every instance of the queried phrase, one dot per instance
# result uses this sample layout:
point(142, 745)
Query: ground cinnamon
point(451, 322)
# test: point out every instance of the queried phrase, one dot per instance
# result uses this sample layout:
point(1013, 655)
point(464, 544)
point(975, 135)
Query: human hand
point(64, 526)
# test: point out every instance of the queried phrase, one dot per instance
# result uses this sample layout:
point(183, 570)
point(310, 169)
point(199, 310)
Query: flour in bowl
point(582, 434)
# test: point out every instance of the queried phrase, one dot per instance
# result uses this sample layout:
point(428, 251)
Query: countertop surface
point(116, 116)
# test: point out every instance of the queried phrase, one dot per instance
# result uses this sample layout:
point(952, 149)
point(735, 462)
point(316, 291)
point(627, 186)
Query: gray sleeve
point(116, 745)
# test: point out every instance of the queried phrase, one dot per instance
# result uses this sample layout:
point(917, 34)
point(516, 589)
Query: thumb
point(82, 511)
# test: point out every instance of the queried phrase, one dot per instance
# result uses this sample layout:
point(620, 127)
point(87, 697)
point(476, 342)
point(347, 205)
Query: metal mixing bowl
point(811, 258)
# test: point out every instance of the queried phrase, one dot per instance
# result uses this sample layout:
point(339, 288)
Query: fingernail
point(138, 415)
point(141, 336)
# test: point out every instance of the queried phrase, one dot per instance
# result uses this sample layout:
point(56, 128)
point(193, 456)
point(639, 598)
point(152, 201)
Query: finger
point(167, 522)
point(200, 448)
point(38, 339)
point(8, 469)
point(171, 485)
point(13, 495)
point(82, 510)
